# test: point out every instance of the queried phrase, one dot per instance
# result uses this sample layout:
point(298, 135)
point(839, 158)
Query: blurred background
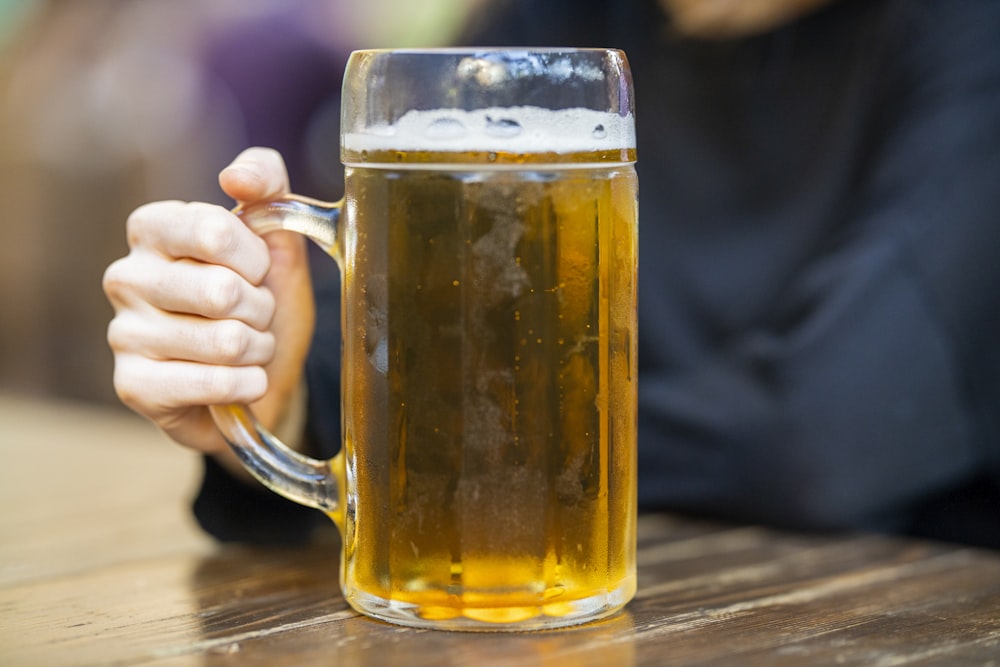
point(108, 104)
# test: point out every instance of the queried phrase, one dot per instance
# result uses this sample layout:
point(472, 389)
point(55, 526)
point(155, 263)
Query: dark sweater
point(819, 276)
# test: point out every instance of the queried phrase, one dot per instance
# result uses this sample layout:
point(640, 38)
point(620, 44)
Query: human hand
point(207, 312)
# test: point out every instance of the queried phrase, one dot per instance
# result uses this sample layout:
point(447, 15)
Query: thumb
point(256, 173)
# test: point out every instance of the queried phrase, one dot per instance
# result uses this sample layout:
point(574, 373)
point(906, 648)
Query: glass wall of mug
point(488, 246)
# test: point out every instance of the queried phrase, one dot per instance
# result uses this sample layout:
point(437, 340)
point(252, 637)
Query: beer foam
point(511, 129)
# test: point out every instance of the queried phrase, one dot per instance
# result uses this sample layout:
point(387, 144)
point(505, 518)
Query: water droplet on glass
point(600, 132)
point(445, 128)
point(502, 127)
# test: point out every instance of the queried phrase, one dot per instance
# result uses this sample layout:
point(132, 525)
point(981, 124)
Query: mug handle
point(311, 482)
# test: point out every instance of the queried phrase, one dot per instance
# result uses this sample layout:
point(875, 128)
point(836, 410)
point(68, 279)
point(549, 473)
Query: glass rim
point(458, 50)
point(490, 100)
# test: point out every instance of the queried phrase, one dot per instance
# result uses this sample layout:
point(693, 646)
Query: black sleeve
point(866, 393)
point(869, 395)
point(234, 511)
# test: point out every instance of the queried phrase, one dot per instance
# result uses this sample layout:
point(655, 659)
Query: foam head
point(510, 130)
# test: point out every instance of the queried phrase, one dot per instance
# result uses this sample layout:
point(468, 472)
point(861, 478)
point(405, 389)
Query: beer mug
point(487, 243)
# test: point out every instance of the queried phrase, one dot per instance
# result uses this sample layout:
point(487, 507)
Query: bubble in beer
point(445, 128)
point(502, 127)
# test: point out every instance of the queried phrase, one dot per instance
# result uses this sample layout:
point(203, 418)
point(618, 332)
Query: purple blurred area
point(108, 104)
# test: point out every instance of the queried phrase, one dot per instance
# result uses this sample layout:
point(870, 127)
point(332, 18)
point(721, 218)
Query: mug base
point(495, 619)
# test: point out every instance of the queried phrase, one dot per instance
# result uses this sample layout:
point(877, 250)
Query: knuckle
point(142, 219)
point(221, 384)
point(113, 281)
point(217, 384)
point(222, 293)
point(231, 340)
point(135, 224)
point(117, 334)
point(214, 236)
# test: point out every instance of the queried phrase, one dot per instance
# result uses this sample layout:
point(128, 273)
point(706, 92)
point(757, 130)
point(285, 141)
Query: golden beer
point(493, 339)
point(487, 243)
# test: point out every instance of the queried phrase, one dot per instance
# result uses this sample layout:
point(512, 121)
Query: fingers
point(173, 394)
point(185, 287)
point(198, 231)
point(163, 336)
point(191, 325)
point(160, 389)
point(196, 319)
point(256, 173)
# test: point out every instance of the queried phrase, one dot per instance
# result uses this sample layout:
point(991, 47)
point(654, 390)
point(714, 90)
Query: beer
point(490, 337)
point(487, 246)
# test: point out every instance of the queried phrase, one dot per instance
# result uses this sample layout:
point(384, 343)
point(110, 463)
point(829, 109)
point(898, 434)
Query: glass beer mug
point(487, 242)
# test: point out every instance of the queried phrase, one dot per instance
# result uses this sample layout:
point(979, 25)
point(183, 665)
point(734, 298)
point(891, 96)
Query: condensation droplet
point(599, 132)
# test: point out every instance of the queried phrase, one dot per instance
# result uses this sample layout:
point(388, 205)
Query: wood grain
point(100, 564)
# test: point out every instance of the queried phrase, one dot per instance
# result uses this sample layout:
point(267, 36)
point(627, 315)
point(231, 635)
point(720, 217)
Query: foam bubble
point(514, 129)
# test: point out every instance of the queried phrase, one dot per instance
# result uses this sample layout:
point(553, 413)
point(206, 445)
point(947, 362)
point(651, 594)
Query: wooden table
point(100, 564)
